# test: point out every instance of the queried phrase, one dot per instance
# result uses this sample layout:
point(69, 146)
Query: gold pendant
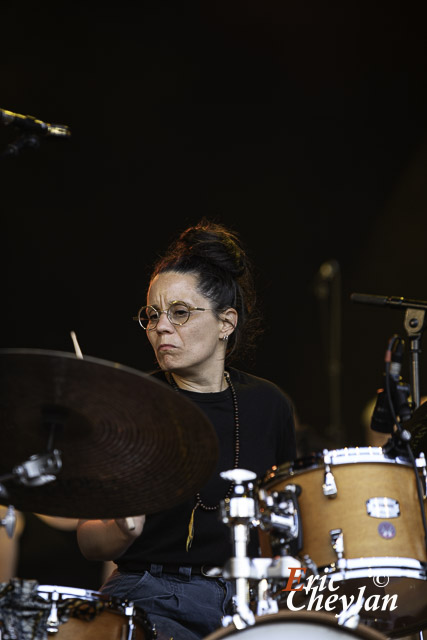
point(191, 529)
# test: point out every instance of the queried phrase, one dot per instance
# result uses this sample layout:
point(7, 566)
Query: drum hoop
point(316, 618)
point(370, 567)
point(46, 591)
point(336, 457)
point(113, 604)
point(354, 455)
point(76, 592)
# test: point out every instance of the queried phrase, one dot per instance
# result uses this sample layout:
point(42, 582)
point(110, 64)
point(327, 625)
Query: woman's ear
point(230, 318)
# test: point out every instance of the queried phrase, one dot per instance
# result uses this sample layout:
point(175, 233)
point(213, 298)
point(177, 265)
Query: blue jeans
point(181, 606)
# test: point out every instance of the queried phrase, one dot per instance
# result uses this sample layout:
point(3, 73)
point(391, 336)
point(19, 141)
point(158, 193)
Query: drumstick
point(76, 345)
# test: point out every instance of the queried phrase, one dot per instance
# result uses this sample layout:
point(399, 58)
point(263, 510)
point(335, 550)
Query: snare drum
point(285, 624)
point(67, 613)
point(362, 525)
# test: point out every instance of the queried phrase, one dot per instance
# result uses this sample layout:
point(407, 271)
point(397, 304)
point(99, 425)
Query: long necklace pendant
point(191, 529)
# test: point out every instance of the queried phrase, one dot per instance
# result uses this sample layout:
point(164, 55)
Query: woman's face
point(196, 347)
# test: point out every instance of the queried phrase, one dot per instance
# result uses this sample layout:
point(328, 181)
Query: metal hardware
point(337, 541)
point(310, 564)
point(350, 617)
point(265, 604)
point(329, 485)
point(9, 522)
point(421, 462)
point(238, 512)
point(282, 511)
point(52, 623)
point(39, 469)
point(129, 611)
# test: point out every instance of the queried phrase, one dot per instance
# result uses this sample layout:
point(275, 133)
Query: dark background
point(301, 125)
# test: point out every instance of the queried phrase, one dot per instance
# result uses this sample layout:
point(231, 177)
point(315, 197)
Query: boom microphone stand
point(414, 323)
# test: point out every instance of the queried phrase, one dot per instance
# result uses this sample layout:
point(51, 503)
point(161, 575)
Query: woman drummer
point(199, 313)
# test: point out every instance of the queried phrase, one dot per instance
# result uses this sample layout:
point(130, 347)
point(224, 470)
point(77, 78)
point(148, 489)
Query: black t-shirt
point(267, 438)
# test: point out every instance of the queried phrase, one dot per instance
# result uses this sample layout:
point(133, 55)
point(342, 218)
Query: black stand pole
point(414, 325)
point(327, 288)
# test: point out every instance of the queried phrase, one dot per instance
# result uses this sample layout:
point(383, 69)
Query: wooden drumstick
point(76, 345)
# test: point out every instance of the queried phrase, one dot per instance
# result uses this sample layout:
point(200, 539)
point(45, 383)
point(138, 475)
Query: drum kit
point(342, 533)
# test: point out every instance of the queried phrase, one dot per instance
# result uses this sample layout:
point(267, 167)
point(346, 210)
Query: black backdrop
point(301, 125)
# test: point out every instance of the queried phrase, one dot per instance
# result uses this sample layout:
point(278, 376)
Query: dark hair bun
point(214, 243)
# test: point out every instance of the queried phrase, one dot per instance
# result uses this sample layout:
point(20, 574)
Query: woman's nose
point(164, 324)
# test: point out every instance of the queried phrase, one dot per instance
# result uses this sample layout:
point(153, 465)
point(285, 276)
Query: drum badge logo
point(386, 530)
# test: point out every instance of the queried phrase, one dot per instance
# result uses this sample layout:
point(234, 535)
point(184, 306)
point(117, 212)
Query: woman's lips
point(166, 347)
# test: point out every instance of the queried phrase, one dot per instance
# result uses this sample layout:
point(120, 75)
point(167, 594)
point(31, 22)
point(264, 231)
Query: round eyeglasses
point(178, 313)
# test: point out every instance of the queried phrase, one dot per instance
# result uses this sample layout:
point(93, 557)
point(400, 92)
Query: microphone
point(33, 126)
point(388, 301)
point(382, 417)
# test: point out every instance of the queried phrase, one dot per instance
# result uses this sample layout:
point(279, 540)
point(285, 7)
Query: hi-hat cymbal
point(129, 444)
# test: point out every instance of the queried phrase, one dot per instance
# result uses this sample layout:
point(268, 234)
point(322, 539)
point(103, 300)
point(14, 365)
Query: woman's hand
point(131, 526)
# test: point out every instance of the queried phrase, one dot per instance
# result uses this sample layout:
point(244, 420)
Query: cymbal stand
point(240, 513)
point(39, 468)
point(42, 468)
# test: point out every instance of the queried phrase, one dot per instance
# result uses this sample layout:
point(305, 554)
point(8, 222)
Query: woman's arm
point(108, 539)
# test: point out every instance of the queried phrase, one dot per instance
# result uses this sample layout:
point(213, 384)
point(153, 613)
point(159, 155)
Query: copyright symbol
point(381, 581)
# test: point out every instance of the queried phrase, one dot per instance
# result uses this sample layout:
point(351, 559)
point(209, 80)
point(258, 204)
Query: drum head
point(303, 624)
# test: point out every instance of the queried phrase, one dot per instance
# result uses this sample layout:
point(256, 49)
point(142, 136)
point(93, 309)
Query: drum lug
point(129, 611)
point(421, 462)
point(337, 541)
point(279, 513)
point(329, 485)
point(284, 510)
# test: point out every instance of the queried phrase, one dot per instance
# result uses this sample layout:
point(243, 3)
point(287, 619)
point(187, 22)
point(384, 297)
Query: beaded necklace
point(199, 501)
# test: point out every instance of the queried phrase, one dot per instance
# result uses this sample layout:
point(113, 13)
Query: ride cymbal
point(128, 443)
